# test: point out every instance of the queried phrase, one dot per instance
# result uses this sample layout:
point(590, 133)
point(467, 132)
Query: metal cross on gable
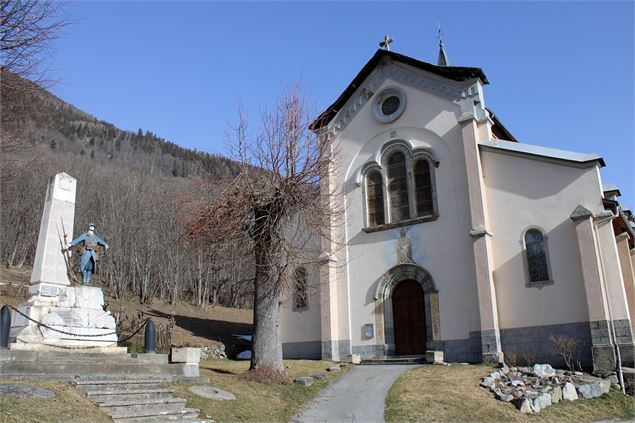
point(386, 43)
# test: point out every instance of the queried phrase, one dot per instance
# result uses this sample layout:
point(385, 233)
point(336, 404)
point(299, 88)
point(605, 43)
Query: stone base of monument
point(71, 365)
point(71, 316)
point(61, 351)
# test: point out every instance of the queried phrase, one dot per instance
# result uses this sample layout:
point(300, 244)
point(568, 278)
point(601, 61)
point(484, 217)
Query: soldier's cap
point(91, 224)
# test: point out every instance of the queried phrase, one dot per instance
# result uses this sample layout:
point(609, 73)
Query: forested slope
point(137, 188)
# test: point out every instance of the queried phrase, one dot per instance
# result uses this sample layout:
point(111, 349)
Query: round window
point(390, 105)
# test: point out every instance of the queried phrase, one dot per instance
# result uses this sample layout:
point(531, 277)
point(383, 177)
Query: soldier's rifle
point(67, 257)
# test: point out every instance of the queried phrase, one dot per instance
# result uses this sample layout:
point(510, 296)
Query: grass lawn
point(67, 406)
point(452, 394)
point(254, 401)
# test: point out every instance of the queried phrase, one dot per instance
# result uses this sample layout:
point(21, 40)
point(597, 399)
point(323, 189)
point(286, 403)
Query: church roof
point(611, 189)
point(456, 73)
point(499, 130)
point(545, 152)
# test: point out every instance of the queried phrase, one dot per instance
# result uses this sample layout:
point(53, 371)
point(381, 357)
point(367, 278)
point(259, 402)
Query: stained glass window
point(390, 105)
point(536, 256)
point(300, 297)
point(375, 198)
point(398, 188)
point(423, 188)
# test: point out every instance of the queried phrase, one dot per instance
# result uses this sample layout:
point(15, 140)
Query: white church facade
point(455, 237)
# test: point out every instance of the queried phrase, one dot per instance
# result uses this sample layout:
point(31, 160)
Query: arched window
point(536, 254)
point(375, 198)
point(398, 188)
point(300, 299)
point(424, 204)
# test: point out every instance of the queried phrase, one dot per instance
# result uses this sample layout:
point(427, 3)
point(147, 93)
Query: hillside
point(64, 128)
point(139, 189)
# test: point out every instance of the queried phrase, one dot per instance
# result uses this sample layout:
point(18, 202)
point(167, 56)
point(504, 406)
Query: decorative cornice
point(604, 217)
point(478, 232)
point(623, 236)
point(466, 94)
point(580, 213)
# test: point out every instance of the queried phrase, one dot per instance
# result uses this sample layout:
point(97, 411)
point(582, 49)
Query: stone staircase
point(400, 359)
point(136, 400)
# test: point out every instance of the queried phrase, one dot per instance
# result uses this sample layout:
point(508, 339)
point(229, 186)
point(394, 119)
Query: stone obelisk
point(49, 266)
point(68, 313)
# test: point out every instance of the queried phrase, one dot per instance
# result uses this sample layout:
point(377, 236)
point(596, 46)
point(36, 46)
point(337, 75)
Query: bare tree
point(274, 209)
point(27, 31)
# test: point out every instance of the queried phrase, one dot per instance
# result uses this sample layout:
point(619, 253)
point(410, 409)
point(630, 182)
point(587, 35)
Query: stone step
point(409, 360)
point(185, 415)
point(118, 380)
point(172, 406)
point(106, 389)
point(101, 398)
point(126, 402)
point(76, 355)
point(90, 368)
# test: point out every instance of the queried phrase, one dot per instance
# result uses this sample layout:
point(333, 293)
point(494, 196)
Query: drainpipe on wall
point(613, 337)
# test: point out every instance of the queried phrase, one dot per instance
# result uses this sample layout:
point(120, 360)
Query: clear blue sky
point(561, 73)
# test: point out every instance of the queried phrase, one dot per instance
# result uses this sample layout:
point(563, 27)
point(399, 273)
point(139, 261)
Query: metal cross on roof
point(386, 43)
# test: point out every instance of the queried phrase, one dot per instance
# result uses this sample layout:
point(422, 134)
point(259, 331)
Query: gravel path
point(357, 396)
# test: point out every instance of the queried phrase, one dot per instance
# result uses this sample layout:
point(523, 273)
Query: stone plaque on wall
point(49, 291)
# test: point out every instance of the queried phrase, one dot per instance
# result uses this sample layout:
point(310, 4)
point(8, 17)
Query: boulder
point(544, 400)
point(525, 406)
point(503, 396)
point(556, 395)
point(606, 385)
point(488, 382)
point(568, 392)
point(543, 370)
point(592, 390)
point(304, 381)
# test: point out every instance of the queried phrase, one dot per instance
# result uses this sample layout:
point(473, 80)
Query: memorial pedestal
point(78, 311)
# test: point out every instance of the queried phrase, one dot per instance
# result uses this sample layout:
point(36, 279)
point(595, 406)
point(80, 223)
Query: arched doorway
point(384, 295)
point(409, 318)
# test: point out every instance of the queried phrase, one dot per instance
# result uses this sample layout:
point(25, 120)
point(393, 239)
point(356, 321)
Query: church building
point(456, 237)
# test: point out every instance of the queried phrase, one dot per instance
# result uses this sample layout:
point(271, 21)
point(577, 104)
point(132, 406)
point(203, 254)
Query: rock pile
point(216, 351)
point(532, 389)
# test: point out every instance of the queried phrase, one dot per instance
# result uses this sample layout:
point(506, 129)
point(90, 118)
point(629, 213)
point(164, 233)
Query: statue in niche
point(404, 248)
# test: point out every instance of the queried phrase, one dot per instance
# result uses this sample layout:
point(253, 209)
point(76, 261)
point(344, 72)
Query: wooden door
point(409, 318)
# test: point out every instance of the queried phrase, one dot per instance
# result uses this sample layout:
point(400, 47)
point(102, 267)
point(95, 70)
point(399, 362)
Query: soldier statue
point(90, 242)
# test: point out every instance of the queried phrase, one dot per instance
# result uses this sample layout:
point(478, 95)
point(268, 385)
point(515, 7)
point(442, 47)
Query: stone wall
point(534, 341)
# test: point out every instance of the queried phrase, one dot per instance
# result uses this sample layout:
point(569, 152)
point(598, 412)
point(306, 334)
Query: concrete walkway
point(357, 396)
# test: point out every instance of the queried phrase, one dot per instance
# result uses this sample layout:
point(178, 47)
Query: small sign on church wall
point(368, 331)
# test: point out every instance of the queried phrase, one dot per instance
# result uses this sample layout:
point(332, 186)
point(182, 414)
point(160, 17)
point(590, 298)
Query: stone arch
point(383, 306)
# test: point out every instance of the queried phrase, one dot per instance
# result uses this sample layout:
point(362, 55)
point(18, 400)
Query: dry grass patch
point(67, 406)
point(452, 394)
point(255, 401)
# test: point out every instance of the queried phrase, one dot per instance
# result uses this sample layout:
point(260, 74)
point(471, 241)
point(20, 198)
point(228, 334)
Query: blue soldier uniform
point(90, 241)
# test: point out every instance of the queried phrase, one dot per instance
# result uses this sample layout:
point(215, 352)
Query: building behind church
point(456, 237)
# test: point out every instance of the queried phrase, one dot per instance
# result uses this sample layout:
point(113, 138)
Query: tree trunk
point(266, 348)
